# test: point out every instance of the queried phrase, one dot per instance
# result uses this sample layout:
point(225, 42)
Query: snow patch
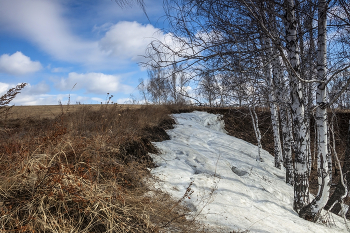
point(231, 190)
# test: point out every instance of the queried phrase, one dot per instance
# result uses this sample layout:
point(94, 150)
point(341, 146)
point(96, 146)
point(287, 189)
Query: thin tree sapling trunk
point(255, 122)
point(341, 190)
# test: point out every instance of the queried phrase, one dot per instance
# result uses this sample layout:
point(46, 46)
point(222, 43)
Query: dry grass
point(85, 171)
point(52, 111)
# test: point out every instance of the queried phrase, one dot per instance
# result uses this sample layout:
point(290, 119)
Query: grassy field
point(52, 111)
point(85, 168)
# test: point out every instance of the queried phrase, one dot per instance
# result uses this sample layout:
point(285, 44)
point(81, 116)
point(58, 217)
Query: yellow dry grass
point(52, 111)
point(85, 169)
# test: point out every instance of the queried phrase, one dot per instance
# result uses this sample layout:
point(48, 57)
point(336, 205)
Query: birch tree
point(206, 88)
point(283, 100)
point(158, 86)
point(255, 122)
point(273, 75)
point(312, 210)
point(301, 177)
point(266, 45)
point(177, 81)
point(239, 38)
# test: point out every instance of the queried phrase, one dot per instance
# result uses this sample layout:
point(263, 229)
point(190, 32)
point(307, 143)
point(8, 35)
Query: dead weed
point(86, 171)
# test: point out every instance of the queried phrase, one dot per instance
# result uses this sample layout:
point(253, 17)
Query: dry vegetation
point(52, 111)
point(86, 168)
point(86, 171)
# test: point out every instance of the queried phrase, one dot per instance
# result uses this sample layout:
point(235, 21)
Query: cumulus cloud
point(43, 22)
point(124, 101)
point(50, 99)
point(4, 87)
point(97, 83)
point(18, 64)
point(29, 89)
point(25, 98)
point(98, 100)
point(39, 94)
point(38, 89)
point(42, 99)
point(30, 94)
point(128, 39)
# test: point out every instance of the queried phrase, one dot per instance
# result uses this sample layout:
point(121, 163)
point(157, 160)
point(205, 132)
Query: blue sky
point(93, 44)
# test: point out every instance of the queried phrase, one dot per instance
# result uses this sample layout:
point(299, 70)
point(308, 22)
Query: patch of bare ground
point(86, 171)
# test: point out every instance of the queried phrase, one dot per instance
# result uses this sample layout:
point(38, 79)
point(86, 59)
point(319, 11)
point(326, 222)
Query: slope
point(224, 185)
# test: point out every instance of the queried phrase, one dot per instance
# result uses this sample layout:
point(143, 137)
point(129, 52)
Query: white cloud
point(97, 83)
point(39, 94)
point(128, 39)
point(40, 88)
point(49, 24)
point(98, 100)
point(42, 99)
point(103, 28)
point(46, 24)
point(30, 94)
point(18, 64)
point(4, 87)
point(82, 99)
point(60, 70)
point(124, 101)
point(51, 99)
point(43, 23)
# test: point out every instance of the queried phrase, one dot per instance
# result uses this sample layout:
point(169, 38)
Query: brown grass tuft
point(86, 171)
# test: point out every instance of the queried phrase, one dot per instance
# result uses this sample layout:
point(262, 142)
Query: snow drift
point(231, 189)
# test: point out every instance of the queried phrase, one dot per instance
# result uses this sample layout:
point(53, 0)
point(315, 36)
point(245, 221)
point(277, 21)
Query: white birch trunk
point(312, 73)
point(303, 73)
point(286, 121)
point(308, 143)
point(270, 75)
point(301, 176)
point(312, 211)
point(287, 146)
point(315, 145)
point(329, 156)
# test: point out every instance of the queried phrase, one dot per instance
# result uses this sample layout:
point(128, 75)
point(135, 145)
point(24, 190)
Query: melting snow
point(231, 190)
